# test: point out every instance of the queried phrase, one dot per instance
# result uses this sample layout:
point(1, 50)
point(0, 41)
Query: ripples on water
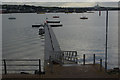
point(20, 40)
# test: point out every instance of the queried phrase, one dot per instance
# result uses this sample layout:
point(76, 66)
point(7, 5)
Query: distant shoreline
point(40, 9)
point(52, 12)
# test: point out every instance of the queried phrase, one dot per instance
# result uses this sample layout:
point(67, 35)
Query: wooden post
point(63, 57)
point(39, 66)
point(5, 68)
point(76, 59)
point(83, 59)
point(100, 64)
point(93, 58)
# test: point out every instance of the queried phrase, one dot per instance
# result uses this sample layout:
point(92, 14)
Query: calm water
point(20, 40)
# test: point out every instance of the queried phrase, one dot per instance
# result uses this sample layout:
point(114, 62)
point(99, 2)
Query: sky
point(59, 0)
point(70, 3)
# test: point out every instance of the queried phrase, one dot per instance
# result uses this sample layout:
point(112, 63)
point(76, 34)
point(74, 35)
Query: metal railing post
point(5, 68)
point(93, 58)
point(83, 59)
point(39, 66)
point(76, 59)
point(63, 57)
point(100, 64)
point(68, 55)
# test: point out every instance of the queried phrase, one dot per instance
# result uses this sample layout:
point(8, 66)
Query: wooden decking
point(77, 71)
point(67, 71)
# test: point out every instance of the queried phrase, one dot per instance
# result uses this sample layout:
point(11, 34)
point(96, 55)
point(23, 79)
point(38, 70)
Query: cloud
point(65, 4)
point(59, 0)
point(75, 4)
point(82, 4)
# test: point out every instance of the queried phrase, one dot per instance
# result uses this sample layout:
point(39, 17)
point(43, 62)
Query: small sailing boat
point(55, 16)
point(83, 17)
point(37, 25)
point(56, 25)
point(52, 21)
point(12, 18)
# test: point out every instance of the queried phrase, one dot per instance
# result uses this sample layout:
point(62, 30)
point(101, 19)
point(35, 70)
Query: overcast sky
point(69, 4)
point(59, 0)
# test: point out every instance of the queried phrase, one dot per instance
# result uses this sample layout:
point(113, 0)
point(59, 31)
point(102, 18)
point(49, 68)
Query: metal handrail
point(60, 56)
point(6, 65)
point(20, 59)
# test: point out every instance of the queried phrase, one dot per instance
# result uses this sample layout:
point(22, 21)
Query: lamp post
point(106, 40)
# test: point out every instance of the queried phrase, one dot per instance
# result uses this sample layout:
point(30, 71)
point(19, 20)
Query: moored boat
point(37, 25)
point(56, 25)
point(84, 17)
point(12, 18)
point(55, 16)
point(53, 21)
